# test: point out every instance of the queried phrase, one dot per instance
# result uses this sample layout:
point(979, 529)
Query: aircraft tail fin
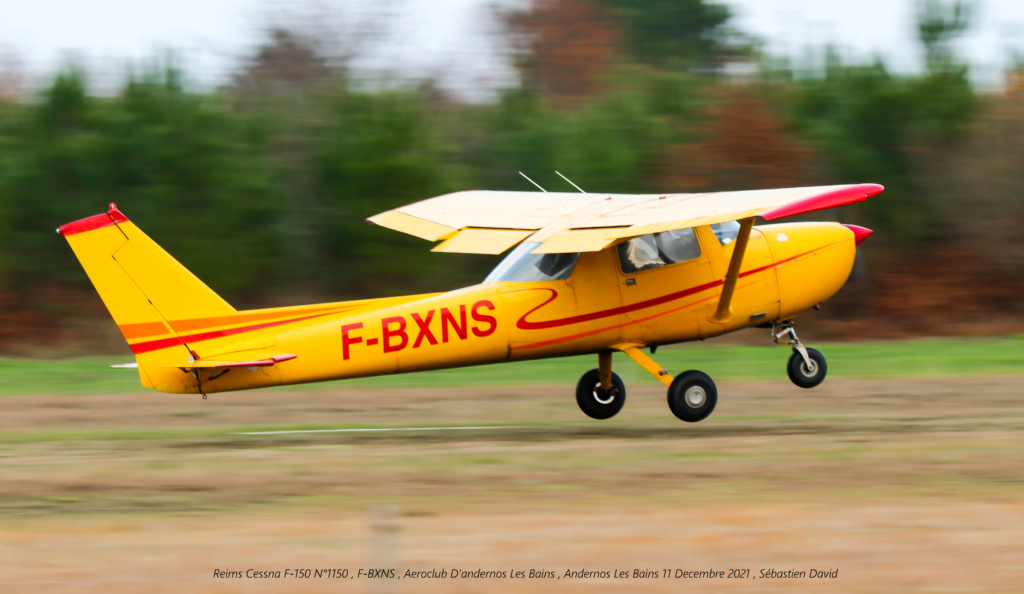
point(148, 293)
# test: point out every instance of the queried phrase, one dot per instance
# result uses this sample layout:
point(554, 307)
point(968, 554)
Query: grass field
point(906, 358)
point(904, 471)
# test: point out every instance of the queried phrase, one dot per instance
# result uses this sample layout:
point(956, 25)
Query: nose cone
point(859, 233)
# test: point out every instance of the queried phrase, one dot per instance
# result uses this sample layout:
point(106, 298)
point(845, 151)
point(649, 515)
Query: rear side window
point(658, 249)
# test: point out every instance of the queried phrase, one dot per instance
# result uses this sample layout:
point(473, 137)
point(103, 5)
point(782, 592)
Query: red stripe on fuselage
point(155, 345)
point(523, 324)
point(152, 345)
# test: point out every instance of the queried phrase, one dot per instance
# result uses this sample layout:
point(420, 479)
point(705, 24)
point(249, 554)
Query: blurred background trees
point(262, 186)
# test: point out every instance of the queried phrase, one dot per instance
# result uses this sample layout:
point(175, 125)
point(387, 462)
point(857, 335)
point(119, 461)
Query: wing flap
point(579, 240)
point(482, 241)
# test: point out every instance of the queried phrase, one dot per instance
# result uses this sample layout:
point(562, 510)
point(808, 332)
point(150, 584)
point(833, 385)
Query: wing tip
point(840, 197)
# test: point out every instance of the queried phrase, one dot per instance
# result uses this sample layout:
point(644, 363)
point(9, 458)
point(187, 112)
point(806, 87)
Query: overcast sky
point(448, 37)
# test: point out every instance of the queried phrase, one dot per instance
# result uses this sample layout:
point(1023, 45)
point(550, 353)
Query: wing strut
point(723, 313)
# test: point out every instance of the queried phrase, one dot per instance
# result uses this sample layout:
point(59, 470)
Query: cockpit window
point(658, 249)
point(523, 267)
point(726, 232)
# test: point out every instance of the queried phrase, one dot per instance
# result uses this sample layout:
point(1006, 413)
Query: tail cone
point(859, 233)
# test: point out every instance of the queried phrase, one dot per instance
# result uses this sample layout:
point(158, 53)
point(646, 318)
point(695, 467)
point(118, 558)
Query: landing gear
point(597, 402)
point(692, 396)
point(806, 367)
point(804, 375)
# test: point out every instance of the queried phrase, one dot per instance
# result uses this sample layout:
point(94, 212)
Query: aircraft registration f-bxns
point(589, 274)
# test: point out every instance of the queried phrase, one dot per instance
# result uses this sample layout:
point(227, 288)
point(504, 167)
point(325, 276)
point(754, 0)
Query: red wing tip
point(99, 221)
point(872, 189)
point(839, 197)
point(859, 233)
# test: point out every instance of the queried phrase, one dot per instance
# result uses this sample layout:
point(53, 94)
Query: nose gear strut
point(779, 332)
point(806, 367)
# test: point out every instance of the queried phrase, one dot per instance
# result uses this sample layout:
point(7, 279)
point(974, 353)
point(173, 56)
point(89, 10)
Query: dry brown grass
point(911, 485)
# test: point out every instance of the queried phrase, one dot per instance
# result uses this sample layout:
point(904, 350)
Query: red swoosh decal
point(153, 345)
point(523, 324)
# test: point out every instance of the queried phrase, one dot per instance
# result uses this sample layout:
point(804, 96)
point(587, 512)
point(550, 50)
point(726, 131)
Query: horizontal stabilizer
point(125, 366)
point(207, 364)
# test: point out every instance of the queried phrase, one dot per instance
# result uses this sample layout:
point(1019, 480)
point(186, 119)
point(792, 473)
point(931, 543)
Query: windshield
point(522, 266)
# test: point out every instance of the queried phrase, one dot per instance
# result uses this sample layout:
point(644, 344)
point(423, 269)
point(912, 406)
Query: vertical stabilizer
point(150, 295)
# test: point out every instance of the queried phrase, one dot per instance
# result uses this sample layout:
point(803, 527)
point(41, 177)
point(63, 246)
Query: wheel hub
point(604, 397)
point(695, 396)
point(809, 370)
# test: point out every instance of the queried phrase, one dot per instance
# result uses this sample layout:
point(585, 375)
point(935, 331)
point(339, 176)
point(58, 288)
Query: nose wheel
point(807, 373)
point(806, 367)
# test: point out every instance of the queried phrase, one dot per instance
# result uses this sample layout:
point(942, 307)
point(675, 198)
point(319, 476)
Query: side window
point(677, 246)
point(726, 232)
point(639, 253)
point(659, 249)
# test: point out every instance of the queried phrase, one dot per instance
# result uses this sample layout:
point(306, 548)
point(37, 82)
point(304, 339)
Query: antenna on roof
point(595, 200)
point(567, 209)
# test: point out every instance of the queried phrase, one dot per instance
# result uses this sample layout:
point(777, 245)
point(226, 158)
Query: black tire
point(803, 377)
point(595, 402)
point(692, 396)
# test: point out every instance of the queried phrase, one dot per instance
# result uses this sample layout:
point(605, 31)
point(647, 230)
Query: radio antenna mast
point(595, 200)
point(567, 209)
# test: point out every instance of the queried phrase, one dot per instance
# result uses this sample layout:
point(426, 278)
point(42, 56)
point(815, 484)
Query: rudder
point(150, 295)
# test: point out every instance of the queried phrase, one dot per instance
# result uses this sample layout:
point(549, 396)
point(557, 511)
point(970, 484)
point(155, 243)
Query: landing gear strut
point(806, 367)
point(691, 395)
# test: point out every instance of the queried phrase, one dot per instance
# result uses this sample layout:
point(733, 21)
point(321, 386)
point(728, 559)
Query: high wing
point(488, 222)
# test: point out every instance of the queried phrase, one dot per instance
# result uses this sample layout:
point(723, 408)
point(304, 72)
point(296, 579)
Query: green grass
point(905, 358)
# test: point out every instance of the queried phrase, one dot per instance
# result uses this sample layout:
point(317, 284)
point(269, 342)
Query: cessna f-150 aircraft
point(587, 274)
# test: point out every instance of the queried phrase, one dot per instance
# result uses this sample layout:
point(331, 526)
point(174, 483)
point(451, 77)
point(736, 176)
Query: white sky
point(449, 37)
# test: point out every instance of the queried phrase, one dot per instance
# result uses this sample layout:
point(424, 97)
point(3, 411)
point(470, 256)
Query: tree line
point(261, 187)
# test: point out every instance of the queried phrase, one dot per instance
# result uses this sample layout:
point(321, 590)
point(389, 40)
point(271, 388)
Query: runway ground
point(912, 484)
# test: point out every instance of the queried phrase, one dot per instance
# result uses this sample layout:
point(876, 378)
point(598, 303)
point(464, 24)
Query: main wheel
point(597, 403)
point(801, 374)
point(692, 396)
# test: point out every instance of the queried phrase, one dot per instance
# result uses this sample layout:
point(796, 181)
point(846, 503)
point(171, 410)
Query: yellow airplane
point(589, 274)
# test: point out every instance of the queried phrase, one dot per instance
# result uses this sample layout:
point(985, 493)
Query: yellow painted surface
point(578, 240)
point(482, 241)
point(419, 227)
point(169, 316)
point(648, 364)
